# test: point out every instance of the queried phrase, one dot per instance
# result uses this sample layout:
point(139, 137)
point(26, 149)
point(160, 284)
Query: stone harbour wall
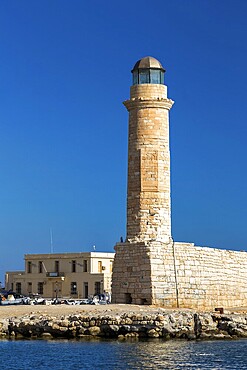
point(208, 277)
point(167, 325)
point(179, 275)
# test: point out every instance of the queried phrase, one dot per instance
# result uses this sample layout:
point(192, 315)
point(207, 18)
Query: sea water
point(113, 354)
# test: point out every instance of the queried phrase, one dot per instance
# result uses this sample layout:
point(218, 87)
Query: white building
point(61, 275)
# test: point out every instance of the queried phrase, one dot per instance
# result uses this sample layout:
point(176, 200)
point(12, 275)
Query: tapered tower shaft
point(148, 199)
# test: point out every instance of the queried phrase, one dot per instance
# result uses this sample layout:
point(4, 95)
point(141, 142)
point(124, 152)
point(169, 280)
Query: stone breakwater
point(174, 324)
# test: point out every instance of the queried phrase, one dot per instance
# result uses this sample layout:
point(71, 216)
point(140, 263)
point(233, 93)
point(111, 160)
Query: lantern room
point(148, 70)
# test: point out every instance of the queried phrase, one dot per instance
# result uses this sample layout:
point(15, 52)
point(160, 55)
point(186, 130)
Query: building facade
point(63, 275)
point(149, 267)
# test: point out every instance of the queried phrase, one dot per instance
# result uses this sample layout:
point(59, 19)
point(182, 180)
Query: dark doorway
point(128, 298)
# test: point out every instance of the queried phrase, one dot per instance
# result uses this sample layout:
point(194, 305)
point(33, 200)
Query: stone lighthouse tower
point(139, 262)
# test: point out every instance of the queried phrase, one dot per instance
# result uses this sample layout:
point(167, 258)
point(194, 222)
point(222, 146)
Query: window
point(73, 266)
point(40, 267)
point(155, 76)
point(73, 287)
point(29, 288)
point(148, 76)
point(57, 266)
point(40, 288)
point(97, 287)
point(144, 76)
point(85, 265)
point(135, 78)
point(162, 77)
point(86, 290)
point(29, 267)
point(99, 266)
point(18, 288)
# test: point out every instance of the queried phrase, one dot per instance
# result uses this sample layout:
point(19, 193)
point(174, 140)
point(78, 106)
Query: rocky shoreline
point(180, 324)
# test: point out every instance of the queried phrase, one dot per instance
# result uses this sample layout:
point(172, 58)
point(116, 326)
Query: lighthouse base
point(140, 274)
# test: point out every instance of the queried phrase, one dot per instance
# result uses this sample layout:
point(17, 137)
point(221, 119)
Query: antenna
point(51, 240)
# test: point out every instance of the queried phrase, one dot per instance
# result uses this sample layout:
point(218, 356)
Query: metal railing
point(55, 274)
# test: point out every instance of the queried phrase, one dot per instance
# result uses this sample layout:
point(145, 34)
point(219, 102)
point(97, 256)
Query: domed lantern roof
point(148, 62)
point(148, 70)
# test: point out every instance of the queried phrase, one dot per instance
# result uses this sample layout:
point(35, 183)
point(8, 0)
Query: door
point(57, 289)
point(85, 295)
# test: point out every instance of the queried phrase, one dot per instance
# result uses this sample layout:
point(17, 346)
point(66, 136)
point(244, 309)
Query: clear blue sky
point(64, 72)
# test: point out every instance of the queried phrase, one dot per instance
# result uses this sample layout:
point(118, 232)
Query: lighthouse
point(148, 199)
point(139, 262)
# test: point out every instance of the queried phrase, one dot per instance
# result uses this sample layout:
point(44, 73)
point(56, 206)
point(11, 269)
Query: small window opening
point(144, 301)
